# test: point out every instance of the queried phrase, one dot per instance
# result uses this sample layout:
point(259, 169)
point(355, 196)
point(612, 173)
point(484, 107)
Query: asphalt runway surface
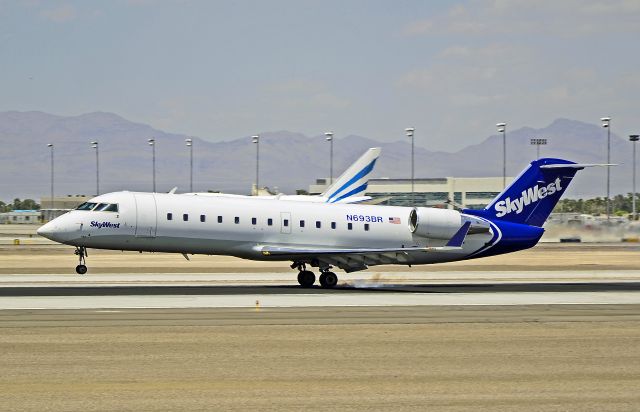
point(297, 290)
point(525, 358)
point(556, 328)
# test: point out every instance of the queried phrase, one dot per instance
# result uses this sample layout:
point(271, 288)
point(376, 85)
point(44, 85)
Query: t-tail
point(533, 194)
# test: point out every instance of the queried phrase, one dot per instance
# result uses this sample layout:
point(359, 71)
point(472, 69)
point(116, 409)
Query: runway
point(501, 358)
point(456, 338)
point(271, 291)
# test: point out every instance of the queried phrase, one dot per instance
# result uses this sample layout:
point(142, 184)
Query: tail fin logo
point(529, 196)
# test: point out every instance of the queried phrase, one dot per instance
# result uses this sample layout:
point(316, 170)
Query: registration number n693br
point(364, 218)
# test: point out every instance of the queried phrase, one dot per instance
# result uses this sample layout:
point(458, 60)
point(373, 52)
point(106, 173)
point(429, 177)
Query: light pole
point(189, 143)
point(152, 143)
point(606, 123)
point(537, 142)
point(256, 140)
point(634, 138)
point(409, 131)
point(95, 146)
point(51, 146)
point(502, 128)
point(329, 139)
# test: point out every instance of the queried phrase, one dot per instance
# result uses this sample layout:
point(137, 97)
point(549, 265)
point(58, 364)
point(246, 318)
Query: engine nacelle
point(434, 223)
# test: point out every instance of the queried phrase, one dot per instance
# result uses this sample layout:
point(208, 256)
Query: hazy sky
point(222, 70)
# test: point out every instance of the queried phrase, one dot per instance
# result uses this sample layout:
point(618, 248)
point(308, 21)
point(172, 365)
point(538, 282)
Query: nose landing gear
point(81, 251)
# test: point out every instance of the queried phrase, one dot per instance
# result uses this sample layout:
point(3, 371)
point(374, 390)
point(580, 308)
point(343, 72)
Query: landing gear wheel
point(328, 280)
point(81, 252)
point(306, 278)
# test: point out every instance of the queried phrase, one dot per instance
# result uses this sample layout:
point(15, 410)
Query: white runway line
point(319, 300)
point(361, 279)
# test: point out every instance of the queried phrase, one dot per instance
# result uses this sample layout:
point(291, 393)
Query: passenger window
point(185, 217)
point(366, 227)
point(219, 219)
point(286, 222)
point(237, 220)
point(333, 225)
point(302, 223)
point(350, 226)
point(270, 222)
point(318, 224)
point(254, 221)
point(113, 207)
point(169, 216)
point(202, 218)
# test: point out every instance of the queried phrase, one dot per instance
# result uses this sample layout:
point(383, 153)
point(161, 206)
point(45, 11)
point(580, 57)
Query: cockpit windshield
point(86, 206)
point(102, 207)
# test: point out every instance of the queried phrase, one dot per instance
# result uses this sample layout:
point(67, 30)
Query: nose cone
point(47, 230)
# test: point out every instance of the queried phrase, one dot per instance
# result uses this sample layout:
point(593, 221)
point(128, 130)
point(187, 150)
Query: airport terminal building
point(59, 205)
point(470, 192)
point(21, 217)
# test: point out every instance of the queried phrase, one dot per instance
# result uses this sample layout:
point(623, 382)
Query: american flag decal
point(394, 220)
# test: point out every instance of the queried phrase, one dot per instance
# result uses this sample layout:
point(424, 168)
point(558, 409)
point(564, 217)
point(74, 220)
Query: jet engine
point(434, 223)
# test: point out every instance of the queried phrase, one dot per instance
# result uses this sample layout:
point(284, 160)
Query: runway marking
point(320, 300)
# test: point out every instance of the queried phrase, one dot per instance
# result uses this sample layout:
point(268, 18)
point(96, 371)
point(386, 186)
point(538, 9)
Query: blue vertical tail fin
point(533, 194)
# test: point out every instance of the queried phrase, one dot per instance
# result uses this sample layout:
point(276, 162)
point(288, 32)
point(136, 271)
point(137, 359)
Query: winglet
point(458, 239)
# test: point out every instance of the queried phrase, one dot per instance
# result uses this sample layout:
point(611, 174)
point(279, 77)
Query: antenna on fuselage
point(173, 191)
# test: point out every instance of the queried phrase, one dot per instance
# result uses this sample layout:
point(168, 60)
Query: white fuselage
point(220, 225)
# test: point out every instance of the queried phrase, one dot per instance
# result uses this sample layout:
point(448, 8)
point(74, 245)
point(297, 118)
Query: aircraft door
point(285, 222)
point(146, 215)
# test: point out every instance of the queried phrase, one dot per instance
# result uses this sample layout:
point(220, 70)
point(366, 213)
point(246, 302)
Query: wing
point(353, 259)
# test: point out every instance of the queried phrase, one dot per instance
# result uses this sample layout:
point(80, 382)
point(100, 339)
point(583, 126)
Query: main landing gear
point(307, 278)
point(81, 251)
point(328, 279)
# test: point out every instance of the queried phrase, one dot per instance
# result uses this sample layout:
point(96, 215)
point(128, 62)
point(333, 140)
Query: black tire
point(306, 278)
point(328, 280)
point(81, 269)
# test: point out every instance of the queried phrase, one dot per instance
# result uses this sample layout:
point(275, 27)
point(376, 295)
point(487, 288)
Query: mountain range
point(288, 160)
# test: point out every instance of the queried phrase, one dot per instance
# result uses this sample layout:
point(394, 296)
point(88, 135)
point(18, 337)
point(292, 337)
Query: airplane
point(324, 236)
point(349, 187)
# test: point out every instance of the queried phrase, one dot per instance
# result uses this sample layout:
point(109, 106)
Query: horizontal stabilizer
point(576, 165)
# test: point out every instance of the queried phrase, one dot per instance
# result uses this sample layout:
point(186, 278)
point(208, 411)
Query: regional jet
point(316, 235)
